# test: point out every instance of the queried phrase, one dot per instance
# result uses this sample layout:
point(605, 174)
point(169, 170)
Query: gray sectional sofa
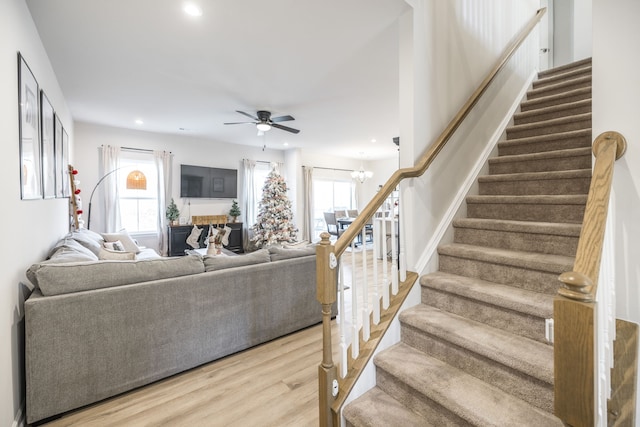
point(97, 328)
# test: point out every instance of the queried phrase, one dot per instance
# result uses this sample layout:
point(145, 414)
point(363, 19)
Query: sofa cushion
point(126, 240)
point(67, 247)
point(217, 262)
point(89, 239)
point(55, 279)
point(108, 254)
point(278, 253)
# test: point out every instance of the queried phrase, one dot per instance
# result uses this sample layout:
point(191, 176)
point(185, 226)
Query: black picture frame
point(66, 185)
point(47, 129)
point(61, 169)
point(29, 133)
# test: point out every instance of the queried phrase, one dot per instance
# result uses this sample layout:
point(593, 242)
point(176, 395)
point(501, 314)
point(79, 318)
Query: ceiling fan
point(265, 122)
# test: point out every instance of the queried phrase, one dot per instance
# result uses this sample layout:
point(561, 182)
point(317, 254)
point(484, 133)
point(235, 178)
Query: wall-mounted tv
point(208, 183)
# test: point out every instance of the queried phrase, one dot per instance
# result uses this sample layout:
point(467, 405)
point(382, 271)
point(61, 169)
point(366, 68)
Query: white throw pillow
point(115, 255)
point(126, 240)
point(114, 246)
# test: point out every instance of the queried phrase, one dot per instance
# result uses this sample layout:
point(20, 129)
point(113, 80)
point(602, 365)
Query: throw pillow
point(194, 238)
point(214, 263)
point(124, 238)
point(278, 253)
point(115, 255)
point(116, 246)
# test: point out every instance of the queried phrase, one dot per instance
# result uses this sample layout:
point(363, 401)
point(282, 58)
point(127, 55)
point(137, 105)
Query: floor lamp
point(135, 181)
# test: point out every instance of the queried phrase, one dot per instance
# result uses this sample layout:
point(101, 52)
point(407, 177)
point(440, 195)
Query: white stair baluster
point(385, 268)
point(355, 341)
point(376, 281)
point(341, 319)
point(366, 326)
point(394, 256)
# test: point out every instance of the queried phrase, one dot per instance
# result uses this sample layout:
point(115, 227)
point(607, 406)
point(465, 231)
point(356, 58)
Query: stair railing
point(575, 308)
point(332, 391)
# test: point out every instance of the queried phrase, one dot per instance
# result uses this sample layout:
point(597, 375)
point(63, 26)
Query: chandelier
point(361, 175)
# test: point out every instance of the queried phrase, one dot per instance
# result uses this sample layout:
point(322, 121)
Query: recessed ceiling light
point(373, 140)
point(286, 144)
point(192, 9)
point(139, 122)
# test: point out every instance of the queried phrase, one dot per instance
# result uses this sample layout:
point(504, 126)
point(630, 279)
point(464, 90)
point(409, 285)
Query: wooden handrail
point(327, 254)
point(574, 307)
point(427, 158)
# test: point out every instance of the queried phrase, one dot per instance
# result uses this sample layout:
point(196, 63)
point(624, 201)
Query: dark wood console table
point(178, 238)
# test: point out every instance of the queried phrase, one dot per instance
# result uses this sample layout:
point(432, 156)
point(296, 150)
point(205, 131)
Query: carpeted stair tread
point(546, 155)
point(520, 259)
point(503, 296)
point(377, 408)
point(572, 95)
point(561, 75)
point(537, 176)
point(536, 183)
point(524, 355)
point(561, 69)
point(552, 199)
point(543, 143)
point(554, 111)
point(560, 124)
point(553, 228)
point(544, 237)
point(475, 402)
point(560, 87)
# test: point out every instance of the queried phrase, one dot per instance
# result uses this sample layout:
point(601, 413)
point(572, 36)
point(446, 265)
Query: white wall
point(30, 226)
point(455, 44)
point(616, 90)
point(572, 31)
point(186, 150)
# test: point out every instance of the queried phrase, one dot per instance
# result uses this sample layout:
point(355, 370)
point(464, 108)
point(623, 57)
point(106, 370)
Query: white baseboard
point(19, 419)
point(432, 246)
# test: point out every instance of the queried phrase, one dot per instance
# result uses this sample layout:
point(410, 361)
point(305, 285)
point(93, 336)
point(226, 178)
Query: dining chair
point(332, 224)
point(352, 213)
point(340, 213)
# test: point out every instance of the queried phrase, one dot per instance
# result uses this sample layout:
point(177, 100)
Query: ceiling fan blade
point(287, 128)
point(247, 114)
point(240, 123)
point(282, 119)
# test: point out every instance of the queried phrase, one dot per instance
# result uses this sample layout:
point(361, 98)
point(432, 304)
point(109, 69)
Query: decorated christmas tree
point(274, 225)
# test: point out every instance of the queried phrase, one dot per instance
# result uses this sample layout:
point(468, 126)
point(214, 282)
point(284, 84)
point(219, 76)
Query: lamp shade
point(136, 181)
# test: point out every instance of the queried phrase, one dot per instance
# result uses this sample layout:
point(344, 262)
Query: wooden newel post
point(326, 267)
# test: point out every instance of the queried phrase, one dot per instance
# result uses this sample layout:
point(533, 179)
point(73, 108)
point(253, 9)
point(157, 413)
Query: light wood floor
point(274, 384)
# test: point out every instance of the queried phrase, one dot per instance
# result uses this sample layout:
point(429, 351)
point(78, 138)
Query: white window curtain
point(163, 162)
point(278, 167)
point(308, 222)
point(111, 162)
point(248, 201)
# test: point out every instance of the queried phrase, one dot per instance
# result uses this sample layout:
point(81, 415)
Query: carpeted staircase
point(474, 352)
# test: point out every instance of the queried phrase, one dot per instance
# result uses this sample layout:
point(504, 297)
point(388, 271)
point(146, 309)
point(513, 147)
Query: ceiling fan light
point(263, 127)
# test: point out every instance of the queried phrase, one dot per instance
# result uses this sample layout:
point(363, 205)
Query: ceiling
point(331, 64)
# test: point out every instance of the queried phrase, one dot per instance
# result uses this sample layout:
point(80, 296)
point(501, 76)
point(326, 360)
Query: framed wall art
point(29, 131)
point(61, 168)
point(66, 185)
point(48, 148)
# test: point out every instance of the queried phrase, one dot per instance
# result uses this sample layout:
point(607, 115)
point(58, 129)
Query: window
point(330, 194)
point(260, 174)
point(138, 208)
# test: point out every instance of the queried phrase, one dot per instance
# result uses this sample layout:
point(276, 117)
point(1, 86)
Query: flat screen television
point(208, 183)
